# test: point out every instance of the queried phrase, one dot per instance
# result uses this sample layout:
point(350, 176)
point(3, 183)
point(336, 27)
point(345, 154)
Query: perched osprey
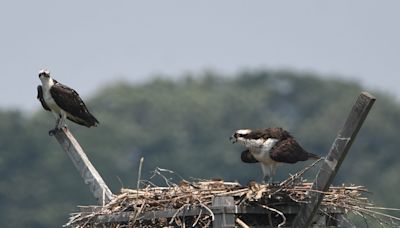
point(63, 102)
point(270, 147)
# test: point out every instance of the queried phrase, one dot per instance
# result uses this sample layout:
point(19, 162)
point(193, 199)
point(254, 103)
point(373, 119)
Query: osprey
point(270, 147)
point(63, 102)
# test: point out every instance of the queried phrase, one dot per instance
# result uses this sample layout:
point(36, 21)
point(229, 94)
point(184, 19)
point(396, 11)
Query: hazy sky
point(90, 43)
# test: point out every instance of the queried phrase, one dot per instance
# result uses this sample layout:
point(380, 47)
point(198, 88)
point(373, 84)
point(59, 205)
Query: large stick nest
point(200, 194)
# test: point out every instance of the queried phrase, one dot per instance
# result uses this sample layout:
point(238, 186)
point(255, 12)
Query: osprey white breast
point(261, 148)
point(47, 83)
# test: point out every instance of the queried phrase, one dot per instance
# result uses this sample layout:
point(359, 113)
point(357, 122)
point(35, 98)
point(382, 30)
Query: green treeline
point(184, 125)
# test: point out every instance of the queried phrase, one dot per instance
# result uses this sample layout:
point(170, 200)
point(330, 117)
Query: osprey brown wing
point(69, 100)
point(247, 157)
point(288, 151)
point(41, 99)
point(278, 133)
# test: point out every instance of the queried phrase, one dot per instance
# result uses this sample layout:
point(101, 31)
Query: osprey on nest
point(270, 147)
point(63, 102)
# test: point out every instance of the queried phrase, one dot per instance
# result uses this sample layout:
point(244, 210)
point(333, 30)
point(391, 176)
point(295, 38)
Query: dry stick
point(157, 172)
point(209, 210)
point(198, 218)
point(361, 213)
point(137, 189)
point(296, 176)
point(384, 208)
point(139, 173)
point(177, 211)
point(362, 216)
point(241, 223)
point(136, 213)
point(104, 198)
point(328, 215)
point(378, 213)
point(300, 173)
point(278, 212)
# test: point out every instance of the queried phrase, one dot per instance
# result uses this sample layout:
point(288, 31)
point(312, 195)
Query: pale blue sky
point(90, 43)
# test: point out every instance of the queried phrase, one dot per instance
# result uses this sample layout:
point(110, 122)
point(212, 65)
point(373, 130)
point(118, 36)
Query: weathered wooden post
point(89, 174)
point(334, 159)
point(223, 218)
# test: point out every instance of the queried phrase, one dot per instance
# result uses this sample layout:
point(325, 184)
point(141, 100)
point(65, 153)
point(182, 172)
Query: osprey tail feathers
point(85, 119)
point(92, 120)
point(313, 156)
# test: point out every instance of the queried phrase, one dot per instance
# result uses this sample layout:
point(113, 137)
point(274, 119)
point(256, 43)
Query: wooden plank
point(222, 217)
point(81, 162)
point(334, 159)
point(231, 211)
point(194, 211)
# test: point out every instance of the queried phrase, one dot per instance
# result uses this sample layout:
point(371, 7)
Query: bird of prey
point(63, 102)
point(270, 147)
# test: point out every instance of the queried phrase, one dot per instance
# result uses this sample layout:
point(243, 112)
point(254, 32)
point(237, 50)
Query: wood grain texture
point(335, 157)
point(81, 162)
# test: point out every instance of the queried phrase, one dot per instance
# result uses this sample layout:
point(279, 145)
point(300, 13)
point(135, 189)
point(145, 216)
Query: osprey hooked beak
point(233, 138)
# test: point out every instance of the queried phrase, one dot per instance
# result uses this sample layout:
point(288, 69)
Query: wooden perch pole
point(89, 174)
point(334, 159)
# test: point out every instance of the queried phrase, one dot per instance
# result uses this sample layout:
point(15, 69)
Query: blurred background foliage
point(184, 125)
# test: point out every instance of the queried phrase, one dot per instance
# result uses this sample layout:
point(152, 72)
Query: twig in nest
point(197, 219)
point(369, 212)
point(177, 212)
point(103, 197)
point(296, 176)
point(139, 172)
point(278, 212)
point(241, 223)
point(209, 210)
point(300, 173)
point(158, 171)
point(137, 212)
point(384, 208)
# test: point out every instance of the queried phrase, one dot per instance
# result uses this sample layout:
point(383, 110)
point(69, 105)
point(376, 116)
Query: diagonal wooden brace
point(334, 159)
point(89, 174)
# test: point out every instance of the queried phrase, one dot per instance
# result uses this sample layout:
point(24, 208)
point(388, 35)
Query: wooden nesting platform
point(219, 204)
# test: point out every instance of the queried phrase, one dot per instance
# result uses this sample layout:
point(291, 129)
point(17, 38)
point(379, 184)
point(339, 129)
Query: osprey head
point(44, 74)
point(240, 135)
